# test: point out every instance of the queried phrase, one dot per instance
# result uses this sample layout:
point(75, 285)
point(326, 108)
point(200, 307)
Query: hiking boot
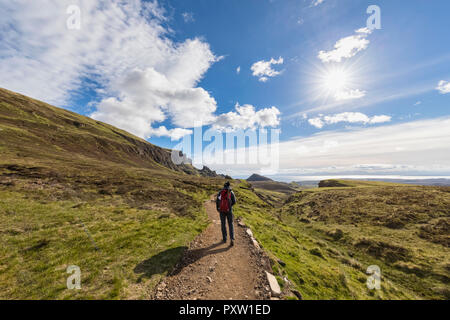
point(224, 240)
point(232, 243)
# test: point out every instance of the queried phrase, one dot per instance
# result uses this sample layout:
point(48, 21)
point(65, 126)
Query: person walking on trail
point(224, 202)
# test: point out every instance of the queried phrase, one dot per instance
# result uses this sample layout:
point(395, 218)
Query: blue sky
point(378, 105)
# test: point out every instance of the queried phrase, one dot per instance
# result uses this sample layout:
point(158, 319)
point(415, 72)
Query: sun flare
point(335, 80)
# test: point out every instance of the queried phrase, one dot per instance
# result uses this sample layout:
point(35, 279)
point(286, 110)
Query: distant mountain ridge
point(257, 177)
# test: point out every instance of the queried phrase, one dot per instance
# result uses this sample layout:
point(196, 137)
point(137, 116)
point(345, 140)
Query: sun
point(335, 80)
point(335, 83)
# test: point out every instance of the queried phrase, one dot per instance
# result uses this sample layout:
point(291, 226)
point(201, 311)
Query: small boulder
point(249, 232)
point(273, 283)
point(255, 243)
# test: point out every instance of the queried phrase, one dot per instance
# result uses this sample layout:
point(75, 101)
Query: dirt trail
point(211, 269)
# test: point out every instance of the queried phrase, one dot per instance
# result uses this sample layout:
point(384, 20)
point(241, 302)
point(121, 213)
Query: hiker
point(224, 203)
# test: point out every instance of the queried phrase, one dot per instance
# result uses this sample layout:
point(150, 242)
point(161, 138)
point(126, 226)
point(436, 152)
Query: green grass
point(327, 264)
point(272, 192)
point(39, 240)
point(134, 215)
point(65, 179)
point(340, 183)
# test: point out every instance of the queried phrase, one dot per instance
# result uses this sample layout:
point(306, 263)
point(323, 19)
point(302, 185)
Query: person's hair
point(227, 184)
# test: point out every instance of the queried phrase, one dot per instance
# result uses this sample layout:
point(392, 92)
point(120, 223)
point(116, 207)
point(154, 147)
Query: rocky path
point(211, 269)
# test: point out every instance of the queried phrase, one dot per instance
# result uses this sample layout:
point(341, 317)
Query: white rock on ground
point(273, 283)
point(249, 232)
point(255, 243)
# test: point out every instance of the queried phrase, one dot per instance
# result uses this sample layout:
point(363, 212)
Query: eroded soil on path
point(212, 270)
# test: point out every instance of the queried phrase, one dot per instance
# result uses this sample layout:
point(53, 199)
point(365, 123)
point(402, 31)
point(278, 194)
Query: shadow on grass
point(160, 263)
point(165, 261)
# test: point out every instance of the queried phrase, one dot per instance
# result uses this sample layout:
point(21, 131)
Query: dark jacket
point(232, 200)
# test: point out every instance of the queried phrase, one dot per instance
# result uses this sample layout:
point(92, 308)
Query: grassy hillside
point(336, 183)
point(35, 131)
point(256, 177)
point(327, 237)
point(272, 192)
point(74, 191)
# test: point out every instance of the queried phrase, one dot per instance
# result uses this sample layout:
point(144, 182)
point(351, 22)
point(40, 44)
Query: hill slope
point(256, 177)
point(340, 183)
point(324, 239)
point(270, 191)
point(75, 191)
point(31, 128)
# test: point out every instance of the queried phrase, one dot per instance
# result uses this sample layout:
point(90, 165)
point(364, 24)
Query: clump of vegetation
point(383, 250)
point(437, 231)
point(316, 252)
point(336, 234)
point(352, 262)
point(410, 268)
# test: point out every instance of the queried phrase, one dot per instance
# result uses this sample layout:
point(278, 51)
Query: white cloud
point(316, 122)
point(174, 134)
point(418, 143)
point(443, 87)
point(188, 17)
point(349, 117)
point(142, 76)
point(377, 98)
point(246, 117)
point(364, 30)
point(315, 3)
point(147, 96)
point(349, 94)
point(413, 148)
point(418, 103)
point(380, 119)
point(238, 70)
point(347, 47)
point(263, 69)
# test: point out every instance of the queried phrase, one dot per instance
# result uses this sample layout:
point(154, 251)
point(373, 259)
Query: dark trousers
point(223, 220)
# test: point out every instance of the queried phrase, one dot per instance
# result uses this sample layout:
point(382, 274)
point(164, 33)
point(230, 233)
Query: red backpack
point(225, 200)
